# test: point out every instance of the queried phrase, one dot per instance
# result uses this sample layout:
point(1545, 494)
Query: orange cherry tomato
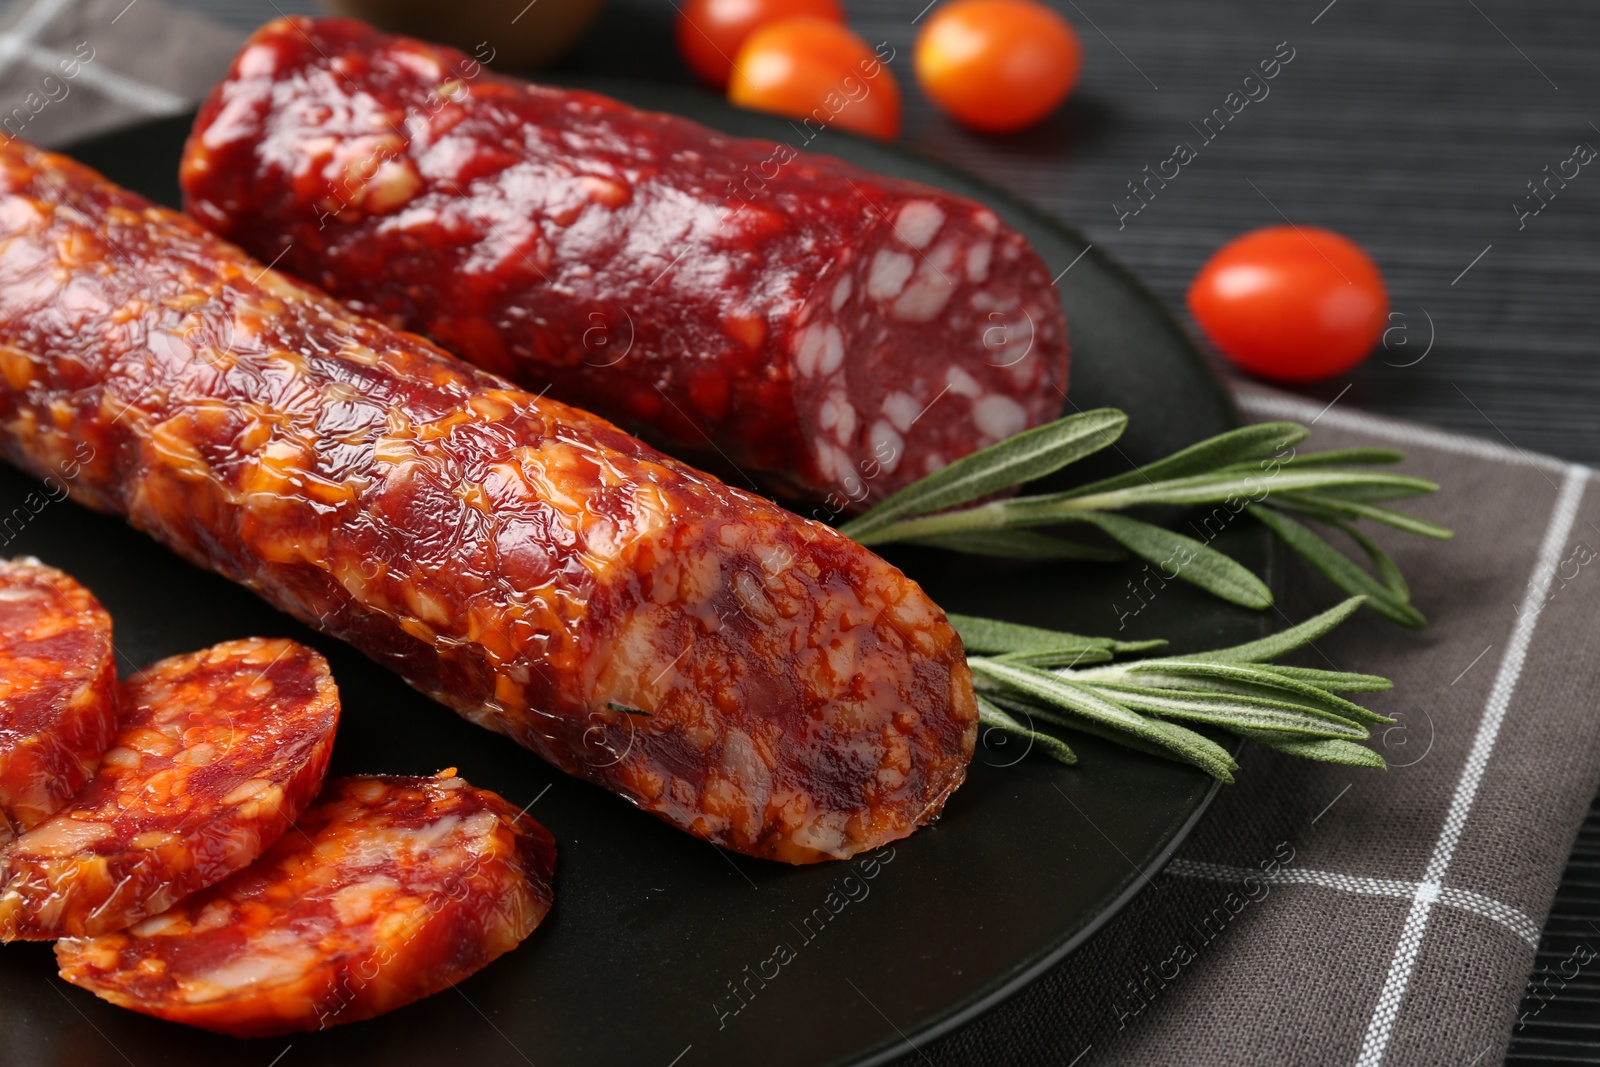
point(818, 70)
point(1293, 304)
point(997, 65)
point(711, 32)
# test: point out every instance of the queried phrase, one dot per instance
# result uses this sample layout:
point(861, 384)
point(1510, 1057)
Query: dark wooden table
point(1414, 128)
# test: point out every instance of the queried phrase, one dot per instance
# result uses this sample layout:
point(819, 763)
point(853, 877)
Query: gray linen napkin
point(1319, 914)
point(1324, 914)
point(71, 68)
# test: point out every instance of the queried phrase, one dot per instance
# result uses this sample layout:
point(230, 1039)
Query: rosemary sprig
point(1143, 704)
point(1241, 470)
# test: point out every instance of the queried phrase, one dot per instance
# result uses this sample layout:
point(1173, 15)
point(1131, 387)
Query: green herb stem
point(1144, 703)
point(1244, 469)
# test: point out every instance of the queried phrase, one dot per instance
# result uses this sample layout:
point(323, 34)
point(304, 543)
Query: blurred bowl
point(522, 33)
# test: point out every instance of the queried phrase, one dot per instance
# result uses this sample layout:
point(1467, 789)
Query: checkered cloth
point(1318, 914)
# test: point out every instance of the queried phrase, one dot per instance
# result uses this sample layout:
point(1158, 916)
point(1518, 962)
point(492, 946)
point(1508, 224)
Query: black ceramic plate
point(664, 950)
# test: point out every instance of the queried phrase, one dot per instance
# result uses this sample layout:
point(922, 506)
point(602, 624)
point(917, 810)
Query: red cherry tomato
point(997, 65)
point(711, 32)
point(1289, 303)
point(811, 68)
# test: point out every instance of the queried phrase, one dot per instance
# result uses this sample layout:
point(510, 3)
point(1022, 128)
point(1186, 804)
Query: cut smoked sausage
point(218, 752)
point(750, 676)
point(387, 891)
point(58, 691)
point(836, 333)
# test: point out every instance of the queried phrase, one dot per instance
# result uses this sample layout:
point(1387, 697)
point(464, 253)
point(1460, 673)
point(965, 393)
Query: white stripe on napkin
point(1282, 407)
point(1565, 513)
point(1465, 899)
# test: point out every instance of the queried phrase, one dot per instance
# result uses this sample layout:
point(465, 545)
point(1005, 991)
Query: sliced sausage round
point(58, 691)
point(387, 891)
point(219, 751)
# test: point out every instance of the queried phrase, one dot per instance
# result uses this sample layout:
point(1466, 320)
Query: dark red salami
point(389, 890)
point(58, 691)
point(218, 752)
point(753, 677)
point(836, 333)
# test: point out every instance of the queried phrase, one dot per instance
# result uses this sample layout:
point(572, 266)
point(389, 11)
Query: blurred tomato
point(519, 34)
point(997, 65)
point(812, 68)
point(711, 32)
point(1290, 303)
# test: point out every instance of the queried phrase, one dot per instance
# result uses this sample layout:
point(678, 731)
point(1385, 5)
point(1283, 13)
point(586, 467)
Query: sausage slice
point(58, 691)
point(388, 890)
point(218, 753)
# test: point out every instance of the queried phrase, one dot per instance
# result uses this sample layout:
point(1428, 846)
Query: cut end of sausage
point(58, 691)
point(781, 692)
point(218, 752)
point(939, 336)
point(391, 889)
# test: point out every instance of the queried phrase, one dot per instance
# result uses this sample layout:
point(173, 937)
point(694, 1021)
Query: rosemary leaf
point(1227, 469)
point(1185, 739)
point(1019, 544)
point(1086, 726)
point(1229, 711)
point(1029, 455)
point(1084, 703)
point(1357, 509)
point(1370, 492)
point(1264, 694)
point(1058, 658)
point(1214, 489)
point(1334, 681)
point(1241, 447)
point(1013, 701)
point(1053, 508)
point(1326, 750)
point(1283, 642)
point(1298, 504)
point(1191, 560)
point(996, 719)
point(1382, 563)
point(1339, 569)
point(1245, 679)
point(1056, 691)
point(1069, 659)
point(1346, 457)
point(1293, 709)
point(992, 635)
